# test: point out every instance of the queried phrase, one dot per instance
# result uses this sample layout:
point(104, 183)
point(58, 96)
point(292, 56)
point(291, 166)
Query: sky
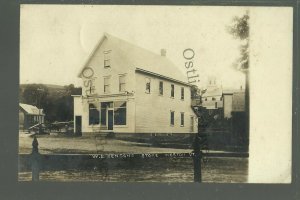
point(55, 40)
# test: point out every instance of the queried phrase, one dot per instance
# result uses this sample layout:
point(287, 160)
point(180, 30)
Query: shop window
point(120, 113)
point(93, 114)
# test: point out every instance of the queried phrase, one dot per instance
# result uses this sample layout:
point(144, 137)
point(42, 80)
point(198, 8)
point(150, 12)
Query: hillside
point(56, 100)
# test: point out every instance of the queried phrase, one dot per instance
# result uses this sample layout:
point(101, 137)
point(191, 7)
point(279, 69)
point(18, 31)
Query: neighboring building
point(127, 89)
point(212, 98)
point(227, 104)
point(239, 119)
point(30, 115)
point(233, 102)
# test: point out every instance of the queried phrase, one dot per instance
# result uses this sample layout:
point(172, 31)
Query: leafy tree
point(195, 92)
point(240, 30)
point(56, 102)
point(35, 94)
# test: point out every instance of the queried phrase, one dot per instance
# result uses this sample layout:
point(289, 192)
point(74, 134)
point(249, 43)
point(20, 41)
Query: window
point(161, 88)
point(107, 59)
point(106, 84)
point(93, 115)
point(148, 85)
point(216, 104)
point(205, 99)
point(192, 124)
point(122, 83)
point(120, 113)
point(172, 90)
point(182, 119)
point(172, 118)
point(182, 93)
point(213, 98)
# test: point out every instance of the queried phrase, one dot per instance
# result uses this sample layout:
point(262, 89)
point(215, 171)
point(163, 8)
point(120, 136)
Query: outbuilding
point(29, 115)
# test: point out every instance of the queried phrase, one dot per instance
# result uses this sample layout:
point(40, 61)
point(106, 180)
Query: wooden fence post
point(197, 160)
point(35, 158)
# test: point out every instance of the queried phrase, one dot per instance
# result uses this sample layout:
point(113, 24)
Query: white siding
point(153, 110)
point(118, 66)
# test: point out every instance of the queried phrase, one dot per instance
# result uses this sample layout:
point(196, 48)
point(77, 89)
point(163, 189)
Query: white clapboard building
point(128, 89)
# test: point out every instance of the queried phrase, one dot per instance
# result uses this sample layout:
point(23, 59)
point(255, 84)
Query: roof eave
point(92, 53)
point(162, 76)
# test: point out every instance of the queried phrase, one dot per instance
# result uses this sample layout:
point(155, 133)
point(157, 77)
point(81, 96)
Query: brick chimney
point(163, 52)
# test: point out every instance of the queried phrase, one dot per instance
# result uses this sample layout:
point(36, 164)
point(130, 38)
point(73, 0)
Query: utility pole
point(40, 90)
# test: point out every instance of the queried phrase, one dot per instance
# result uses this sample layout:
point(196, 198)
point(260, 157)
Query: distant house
point(29, 115)
point(128, 89)
point(212, 98)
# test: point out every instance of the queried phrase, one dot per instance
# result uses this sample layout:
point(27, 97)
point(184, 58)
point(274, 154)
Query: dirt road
point(49, 144)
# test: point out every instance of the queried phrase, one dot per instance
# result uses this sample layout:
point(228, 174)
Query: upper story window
point(106, 84)
point(107, 55)
point(161, 88)
point(213, 98)
point(182, 93)
point(172, 90)
point(148, 85)
point(122, 83)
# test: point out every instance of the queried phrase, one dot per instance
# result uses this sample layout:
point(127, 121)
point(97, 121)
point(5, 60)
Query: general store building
point(128, 89)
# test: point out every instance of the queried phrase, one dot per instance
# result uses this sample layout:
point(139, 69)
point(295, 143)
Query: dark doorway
point(110, 121)
point(78, 125)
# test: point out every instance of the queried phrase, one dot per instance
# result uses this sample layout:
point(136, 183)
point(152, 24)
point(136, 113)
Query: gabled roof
point(211, 92)
point(141, 58)
point(31, 110)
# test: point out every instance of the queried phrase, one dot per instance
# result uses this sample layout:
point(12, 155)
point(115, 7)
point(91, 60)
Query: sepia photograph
point(115, 93)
